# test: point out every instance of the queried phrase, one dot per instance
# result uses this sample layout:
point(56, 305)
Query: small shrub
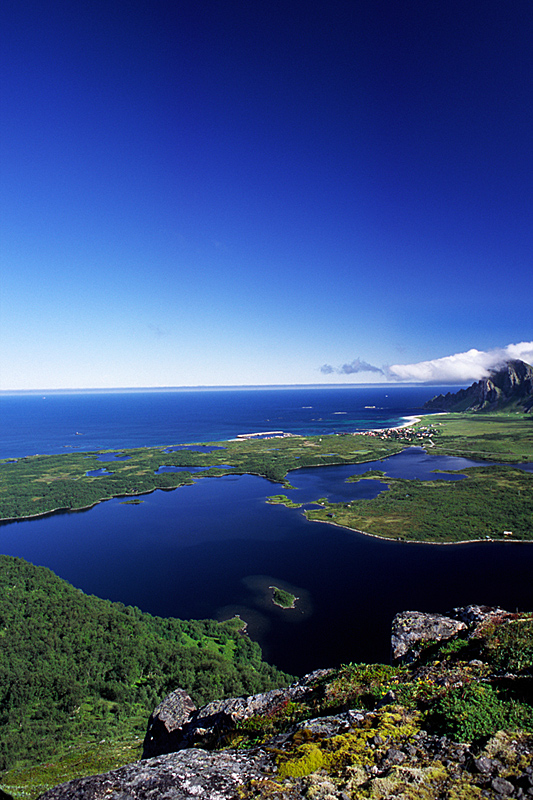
point(361, 685)
point(509, 646)
point(453, 646)
point(476, 711)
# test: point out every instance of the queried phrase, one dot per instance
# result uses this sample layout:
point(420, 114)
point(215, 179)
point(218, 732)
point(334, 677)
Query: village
point(407, 434)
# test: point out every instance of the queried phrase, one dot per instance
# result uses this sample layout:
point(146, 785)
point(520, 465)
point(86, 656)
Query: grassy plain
point(495, 437)
point(493, 502)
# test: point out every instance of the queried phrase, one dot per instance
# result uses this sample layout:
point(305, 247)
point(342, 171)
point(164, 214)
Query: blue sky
point(225, 193)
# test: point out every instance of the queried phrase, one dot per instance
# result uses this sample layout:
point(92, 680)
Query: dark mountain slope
point(508, 389)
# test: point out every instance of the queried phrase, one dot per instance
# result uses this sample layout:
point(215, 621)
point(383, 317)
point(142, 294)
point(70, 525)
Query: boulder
point(165, 723)
point(411, 629)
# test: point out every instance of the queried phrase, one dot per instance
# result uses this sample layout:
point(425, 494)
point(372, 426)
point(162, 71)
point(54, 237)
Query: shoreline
point(416, 541)
point(410, 420)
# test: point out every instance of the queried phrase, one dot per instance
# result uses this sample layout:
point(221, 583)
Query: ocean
point(56, 422)
point(211, 550)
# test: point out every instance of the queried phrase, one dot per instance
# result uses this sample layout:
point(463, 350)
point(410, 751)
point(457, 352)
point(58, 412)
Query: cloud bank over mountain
point(471, 365)
point(461, 367)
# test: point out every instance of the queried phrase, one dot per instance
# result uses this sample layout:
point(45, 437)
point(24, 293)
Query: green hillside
point(76, 670)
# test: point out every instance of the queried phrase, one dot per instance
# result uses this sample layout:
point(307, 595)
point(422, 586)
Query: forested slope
point(74, 667)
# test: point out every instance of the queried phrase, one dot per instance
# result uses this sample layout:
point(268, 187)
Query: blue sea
point(57, 422)
point(211, 550)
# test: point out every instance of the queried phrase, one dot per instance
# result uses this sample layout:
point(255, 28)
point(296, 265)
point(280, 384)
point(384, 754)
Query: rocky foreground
point(451, 718)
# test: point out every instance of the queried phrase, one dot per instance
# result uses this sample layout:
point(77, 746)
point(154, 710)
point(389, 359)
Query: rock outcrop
point(399, 761)
point(190, 774)
point(354, 732)
point(176, 723)
point(411, 630)
point(509, 388)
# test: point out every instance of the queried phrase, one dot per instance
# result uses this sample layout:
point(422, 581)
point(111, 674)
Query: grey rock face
point(512, 385)
point(177, 776)
point(412, 628)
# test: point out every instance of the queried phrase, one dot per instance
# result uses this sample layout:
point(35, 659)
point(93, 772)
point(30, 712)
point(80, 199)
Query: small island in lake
point(282, 598)
point(282, 500)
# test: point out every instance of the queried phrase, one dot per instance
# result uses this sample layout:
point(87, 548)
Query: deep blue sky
point(242, 193)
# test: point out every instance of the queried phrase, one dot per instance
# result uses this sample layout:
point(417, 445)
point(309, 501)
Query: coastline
point(418, 541)
point(410, 420)
point(63, 509)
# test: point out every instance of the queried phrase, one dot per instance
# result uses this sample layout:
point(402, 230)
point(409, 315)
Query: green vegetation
point(76, 697)
point(487, 502)
point(471, 712)
point(455, 687)
point(412, 721)
point(378, 474)
point(282, 500)
point(75, 670)
point(282, 598)
point(38, 485)
point(492, 437)
point(484, 504)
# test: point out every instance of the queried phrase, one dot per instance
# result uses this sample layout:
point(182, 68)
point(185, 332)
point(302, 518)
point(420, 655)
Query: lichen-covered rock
point(476, 616)
point(177, 776)
point(410, 629)
point(379, 754)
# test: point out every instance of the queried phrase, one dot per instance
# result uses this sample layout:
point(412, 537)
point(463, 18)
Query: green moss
point(309, 759)
point(348, 751)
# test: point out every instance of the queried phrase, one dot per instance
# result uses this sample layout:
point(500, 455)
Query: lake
point(212, 550)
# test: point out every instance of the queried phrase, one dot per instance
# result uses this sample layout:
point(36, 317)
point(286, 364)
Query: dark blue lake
point(214, 548)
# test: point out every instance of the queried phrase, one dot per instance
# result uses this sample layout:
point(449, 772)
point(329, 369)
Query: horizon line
point(223, 387)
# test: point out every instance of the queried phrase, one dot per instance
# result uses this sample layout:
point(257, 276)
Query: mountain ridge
point(509, 388)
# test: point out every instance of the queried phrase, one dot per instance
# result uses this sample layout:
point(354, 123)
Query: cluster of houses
point(403, 434)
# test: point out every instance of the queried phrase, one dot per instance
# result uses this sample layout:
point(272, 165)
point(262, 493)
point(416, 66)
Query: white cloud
point(357, 365)
point(461, 367)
